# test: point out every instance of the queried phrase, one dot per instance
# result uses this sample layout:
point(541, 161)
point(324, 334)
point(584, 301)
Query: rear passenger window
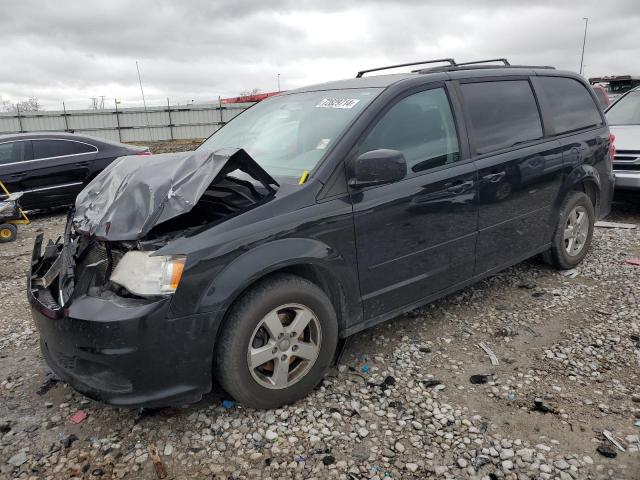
point(421, 127)
point(503, 113)
point(571, 104)
point(11, 152)
point(59, 148)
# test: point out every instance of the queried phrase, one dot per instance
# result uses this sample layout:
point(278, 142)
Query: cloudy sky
point(199, 49)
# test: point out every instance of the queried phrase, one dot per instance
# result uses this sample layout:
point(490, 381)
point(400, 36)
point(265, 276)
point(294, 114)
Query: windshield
point(289, 134)
point(625, 111)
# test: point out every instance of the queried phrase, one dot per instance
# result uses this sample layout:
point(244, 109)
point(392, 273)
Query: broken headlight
point(145, 274)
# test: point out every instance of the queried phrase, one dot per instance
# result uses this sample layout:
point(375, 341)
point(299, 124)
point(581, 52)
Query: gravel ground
point(399, 405)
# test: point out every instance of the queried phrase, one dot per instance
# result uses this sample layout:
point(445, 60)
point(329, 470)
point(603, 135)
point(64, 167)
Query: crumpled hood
point(135, 193)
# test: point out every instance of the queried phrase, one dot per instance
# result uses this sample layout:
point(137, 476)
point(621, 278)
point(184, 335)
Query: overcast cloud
point(199, 49)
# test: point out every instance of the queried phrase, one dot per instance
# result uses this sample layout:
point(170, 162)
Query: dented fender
point(271, 257)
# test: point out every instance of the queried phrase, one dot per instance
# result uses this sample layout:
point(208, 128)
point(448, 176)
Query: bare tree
point(248, 93)
point(6, 105)
point(31, 104)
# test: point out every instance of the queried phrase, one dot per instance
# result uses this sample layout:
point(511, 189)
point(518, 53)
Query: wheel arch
point(305, 258)
point(586, 179)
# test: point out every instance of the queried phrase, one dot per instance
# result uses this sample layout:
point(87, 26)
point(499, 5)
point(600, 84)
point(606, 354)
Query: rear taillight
point(612, 146)
point(144, 152)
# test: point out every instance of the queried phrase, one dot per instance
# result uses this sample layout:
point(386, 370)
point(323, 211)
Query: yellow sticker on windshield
point(303, 177)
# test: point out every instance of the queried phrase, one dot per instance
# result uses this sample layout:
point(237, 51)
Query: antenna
point(143, 100)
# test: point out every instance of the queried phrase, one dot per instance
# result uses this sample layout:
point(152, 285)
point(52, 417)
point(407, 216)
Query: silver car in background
point(624, 121)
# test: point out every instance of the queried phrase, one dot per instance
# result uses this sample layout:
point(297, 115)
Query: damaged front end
point(100, 294)
point(133, 208)
point(72, 266)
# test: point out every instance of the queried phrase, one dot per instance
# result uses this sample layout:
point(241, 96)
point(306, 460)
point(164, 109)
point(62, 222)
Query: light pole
point(584, 41)
point(278, 82)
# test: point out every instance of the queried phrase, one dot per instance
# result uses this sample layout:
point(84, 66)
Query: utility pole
point(584, 41)
point(278, 82)
point(65, 115)
point(116, 102)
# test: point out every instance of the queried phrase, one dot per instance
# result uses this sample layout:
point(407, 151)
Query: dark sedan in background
point(51, 168)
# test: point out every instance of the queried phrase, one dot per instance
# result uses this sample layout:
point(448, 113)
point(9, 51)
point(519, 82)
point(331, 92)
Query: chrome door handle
point(459, 187)
point(494, 177)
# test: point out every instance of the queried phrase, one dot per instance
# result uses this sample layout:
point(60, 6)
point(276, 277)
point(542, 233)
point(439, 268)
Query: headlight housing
point(145, 274)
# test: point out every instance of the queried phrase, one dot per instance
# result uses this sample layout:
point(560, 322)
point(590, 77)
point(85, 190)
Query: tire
point(558, 255)
point(8, 232)
point(284, 300)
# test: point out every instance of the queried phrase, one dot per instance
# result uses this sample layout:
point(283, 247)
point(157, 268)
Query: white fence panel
point(128, 124)
point(34, 123)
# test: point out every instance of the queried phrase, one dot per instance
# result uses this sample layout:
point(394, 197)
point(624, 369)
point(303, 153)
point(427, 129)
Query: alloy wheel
point(576, 230)
point(284, 346)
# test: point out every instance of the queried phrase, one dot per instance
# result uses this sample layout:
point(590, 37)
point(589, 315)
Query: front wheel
point(277, 342)
point(573, 233)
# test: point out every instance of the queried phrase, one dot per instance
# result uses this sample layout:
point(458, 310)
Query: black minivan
point(311, 216)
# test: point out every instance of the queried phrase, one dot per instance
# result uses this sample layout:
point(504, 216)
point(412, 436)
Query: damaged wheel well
point(313, 273)
point(591, 190)
point(328, 283)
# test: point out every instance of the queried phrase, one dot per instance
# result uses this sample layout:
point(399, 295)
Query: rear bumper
point(606, 196)
point(125, 352)
point(627, 180)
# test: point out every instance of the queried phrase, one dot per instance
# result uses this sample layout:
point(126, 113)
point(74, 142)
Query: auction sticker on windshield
point(337, 103)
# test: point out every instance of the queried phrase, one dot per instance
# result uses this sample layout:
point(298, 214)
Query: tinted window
point(59, 148)
point(625, 111)
point(421, 127)
point(12, 152)
point(571, 104)
point(502, 113)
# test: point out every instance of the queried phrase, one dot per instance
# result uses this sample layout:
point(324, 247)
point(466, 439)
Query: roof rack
point(451, 62)
point(491, 60)
point(453, 65)
point(478, 67)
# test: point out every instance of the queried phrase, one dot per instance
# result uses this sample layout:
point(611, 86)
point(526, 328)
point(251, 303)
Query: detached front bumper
point(123, 351)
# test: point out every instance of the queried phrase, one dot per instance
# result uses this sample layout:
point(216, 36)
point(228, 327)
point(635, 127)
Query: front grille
point(627, 156)
point(93, 267)
point(621, 167)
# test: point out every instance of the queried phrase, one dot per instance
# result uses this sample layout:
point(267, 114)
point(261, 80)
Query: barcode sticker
point(337, 103)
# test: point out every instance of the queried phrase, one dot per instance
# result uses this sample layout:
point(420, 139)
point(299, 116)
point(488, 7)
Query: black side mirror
point(378, 167)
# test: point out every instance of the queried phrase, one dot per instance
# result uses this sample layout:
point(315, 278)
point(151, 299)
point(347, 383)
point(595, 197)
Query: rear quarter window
point(11, 152)
point(503, 113)
point(570, 103)
point(59, 148)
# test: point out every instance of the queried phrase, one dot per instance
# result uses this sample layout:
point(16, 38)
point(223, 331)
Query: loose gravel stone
point(18, 459)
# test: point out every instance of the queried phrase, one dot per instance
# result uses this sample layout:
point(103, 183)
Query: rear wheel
point(277, 342)
point(574, 231)
point(8, 232)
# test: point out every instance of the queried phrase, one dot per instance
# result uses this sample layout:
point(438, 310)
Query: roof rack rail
point(451, 62)
point(491, 60)
point(460, 66)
